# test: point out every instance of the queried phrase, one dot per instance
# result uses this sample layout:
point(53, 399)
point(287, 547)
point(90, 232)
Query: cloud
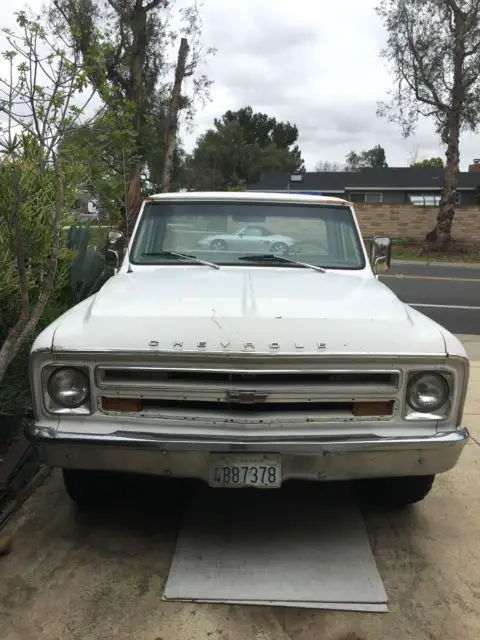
point(315, 64)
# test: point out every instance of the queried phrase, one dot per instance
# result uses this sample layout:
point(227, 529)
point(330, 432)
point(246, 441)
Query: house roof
point(391, 178)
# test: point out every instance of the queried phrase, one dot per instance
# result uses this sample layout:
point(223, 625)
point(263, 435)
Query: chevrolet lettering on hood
point(202, 345)
point(245, 340)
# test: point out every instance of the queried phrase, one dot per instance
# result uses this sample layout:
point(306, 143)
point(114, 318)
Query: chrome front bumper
point(329, 459)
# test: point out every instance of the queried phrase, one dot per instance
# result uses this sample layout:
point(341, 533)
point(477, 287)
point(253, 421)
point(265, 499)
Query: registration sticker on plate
point(263, 472)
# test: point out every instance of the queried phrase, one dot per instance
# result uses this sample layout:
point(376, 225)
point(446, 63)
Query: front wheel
point(280, 248)
point(91, 488)
point(397, 492)
point(218, 245)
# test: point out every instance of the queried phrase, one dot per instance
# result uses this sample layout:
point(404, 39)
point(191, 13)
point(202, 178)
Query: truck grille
point(246, 390)
point(138, 376)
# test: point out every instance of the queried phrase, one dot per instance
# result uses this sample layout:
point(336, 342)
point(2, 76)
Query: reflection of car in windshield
point(249, 238)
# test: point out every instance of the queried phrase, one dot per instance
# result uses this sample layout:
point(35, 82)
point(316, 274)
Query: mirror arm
point(112, 258)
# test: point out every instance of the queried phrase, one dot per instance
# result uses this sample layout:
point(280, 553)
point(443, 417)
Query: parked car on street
point(247, 367)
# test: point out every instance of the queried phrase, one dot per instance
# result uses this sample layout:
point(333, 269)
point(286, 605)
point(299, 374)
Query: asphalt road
point(448, 294)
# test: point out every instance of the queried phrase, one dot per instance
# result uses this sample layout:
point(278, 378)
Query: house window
point(369, 197)
point(427, 199)
point(373, 197)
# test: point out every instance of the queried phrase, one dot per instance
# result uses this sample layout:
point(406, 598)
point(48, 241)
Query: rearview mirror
point(381, 253)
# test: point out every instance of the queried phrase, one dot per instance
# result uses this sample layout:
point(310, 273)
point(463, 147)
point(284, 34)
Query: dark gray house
point(403, 185)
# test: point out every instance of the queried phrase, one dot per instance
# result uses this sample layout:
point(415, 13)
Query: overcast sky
point(313, 63)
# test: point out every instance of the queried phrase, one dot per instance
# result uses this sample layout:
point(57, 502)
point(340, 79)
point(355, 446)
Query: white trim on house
point(431, 188)
point(362, 189)
point(303, 190)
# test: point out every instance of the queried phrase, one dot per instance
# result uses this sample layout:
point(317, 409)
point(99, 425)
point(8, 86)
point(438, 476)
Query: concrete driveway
point(100, 577)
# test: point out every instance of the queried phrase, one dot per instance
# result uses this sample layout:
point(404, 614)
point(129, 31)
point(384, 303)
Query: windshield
point(225, 232)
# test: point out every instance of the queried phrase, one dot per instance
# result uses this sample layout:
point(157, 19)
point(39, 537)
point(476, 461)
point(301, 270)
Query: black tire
point(218, 245)
point(397, 492)
point(280, 248)
point(89, 489)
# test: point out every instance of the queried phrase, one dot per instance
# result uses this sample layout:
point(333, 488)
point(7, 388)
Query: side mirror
point(114, 248)
point(115, 240)
point(381, 253)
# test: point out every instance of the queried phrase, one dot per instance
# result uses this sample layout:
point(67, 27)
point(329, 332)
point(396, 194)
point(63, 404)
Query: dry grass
point(410, 250)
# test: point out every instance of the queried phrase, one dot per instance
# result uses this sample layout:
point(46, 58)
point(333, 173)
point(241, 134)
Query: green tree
point(262, 131)
point(38, 183)
point(374, 157)
point(241, 146)
point(326, 165)
point(101, 148)
point(433, 51)
point(124, 46)
point(429, 163)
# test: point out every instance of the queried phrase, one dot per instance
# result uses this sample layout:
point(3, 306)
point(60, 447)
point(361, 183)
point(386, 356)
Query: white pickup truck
point(267, 353)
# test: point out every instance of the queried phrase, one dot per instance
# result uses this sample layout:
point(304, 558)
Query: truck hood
point(256, 309)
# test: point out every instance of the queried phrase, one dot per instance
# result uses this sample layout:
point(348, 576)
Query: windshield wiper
point(182, 256)
point(272, 257)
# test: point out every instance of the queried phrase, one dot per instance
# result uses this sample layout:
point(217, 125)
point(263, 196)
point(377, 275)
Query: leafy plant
point(38, 181)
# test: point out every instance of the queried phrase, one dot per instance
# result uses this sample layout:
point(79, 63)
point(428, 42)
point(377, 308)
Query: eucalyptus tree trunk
point(172, 118)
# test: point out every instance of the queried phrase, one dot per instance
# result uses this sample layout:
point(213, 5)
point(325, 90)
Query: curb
point(438, 263)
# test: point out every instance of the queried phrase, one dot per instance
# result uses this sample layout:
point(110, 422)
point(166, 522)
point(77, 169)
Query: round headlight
point(427, 392)
point(68, 387)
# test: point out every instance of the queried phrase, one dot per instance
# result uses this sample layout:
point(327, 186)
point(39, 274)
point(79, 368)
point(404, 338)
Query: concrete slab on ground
point(240, 548)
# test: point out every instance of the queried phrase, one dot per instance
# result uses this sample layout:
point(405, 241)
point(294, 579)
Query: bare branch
point(455, 8)
point(19, 248)
point(172, 120)
point(153, 4)
point(419, 68)
point(116, 6)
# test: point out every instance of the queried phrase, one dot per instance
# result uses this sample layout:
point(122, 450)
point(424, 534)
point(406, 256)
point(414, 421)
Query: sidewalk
point(471, 413)
point(471, 344)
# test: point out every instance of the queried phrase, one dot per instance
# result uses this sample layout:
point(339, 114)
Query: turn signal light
point(373, 408)
point(122, 404)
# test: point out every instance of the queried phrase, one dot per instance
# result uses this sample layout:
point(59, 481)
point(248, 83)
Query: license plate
point(262, 472)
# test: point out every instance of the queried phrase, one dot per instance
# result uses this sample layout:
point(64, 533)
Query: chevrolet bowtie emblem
point(246, 397)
